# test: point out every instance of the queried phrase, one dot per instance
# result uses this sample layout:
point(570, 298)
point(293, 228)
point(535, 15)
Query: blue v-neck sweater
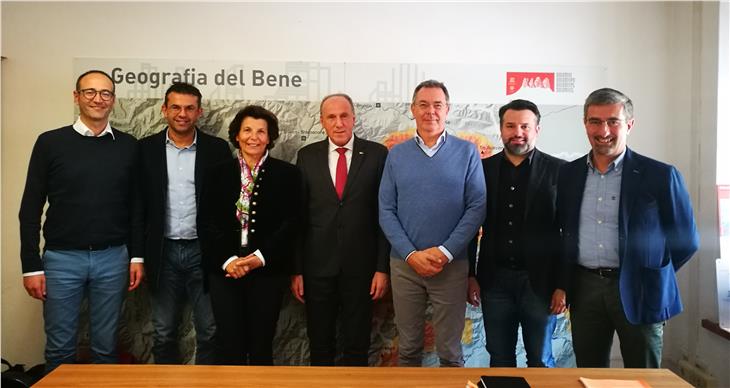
point(431, 201)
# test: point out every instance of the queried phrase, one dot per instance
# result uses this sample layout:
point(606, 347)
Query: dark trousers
point(348, 297)
point(246, 311)
point(509, 303)
point(596, 313)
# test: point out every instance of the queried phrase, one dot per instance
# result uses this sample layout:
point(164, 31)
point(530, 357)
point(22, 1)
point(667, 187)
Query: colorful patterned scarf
point(248, 178)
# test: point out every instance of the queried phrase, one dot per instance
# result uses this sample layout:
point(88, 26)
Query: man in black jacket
point(519, 244)
point(173, 163)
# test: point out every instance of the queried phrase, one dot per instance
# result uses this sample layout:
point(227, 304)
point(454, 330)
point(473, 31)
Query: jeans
point(547, 351)
point(103, 276)
point(507, 304)
point(181, 280)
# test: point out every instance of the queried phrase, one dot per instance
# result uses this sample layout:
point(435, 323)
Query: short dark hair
point(94, 71)
point(184, 88)
point(431, 83)
point(257, 112)
point(608, 96)
point(343, 95)
point(519, 105)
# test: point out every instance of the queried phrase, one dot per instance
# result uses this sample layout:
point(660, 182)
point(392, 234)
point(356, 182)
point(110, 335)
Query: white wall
point(649, 49)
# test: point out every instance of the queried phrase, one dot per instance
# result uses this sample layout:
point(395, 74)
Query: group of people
point(603, 235)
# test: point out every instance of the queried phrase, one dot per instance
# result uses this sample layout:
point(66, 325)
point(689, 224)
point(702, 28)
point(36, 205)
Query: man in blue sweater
point(432, 201)
point(87, 173)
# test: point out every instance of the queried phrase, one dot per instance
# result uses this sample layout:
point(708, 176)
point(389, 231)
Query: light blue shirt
point(181, 210)
point(433, 150)
point(598, 231)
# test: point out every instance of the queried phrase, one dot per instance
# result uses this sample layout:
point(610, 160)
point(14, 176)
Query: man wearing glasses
point(627, 227)
point(86, 173)
point(173, 168)
point(432, 202)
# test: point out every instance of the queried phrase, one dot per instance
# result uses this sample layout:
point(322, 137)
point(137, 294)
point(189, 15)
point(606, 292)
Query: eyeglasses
point(90, 94)
point(613, 123)
point(436, 105)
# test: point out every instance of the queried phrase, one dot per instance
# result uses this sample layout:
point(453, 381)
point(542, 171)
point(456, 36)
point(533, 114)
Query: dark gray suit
point(341, 248)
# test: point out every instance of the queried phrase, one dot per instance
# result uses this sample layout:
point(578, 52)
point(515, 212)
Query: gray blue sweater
point(431, 201)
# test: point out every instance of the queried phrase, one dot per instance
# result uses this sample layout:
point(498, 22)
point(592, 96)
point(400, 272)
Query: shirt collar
point(616, 164)
point(169, 141)
point(439, 141)
point(83, 130)
point(348, 145)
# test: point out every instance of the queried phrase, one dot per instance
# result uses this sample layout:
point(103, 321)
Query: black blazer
point(540, 232)
point(210, 150)
point(341, 236)
point(273, 211)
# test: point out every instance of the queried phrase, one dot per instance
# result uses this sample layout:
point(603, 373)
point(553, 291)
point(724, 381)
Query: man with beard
point(515, 274)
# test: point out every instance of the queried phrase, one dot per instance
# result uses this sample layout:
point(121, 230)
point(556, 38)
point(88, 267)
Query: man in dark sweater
point(86, 172)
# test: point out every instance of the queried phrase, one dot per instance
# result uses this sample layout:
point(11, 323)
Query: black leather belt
point(602, 272)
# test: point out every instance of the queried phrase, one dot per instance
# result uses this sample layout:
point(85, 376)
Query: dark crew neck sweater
point(90, 185)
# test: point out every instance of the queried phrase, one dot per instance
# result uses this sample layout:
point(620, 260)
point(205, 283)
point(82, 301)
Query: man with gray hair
point(341, 266)
point(432, 202)
point(627, 227)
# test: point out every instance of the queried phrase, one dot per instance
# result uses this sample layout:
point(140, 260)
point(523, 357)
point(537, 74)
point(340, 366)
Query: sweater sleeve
point(31, 208)
point(388, 212)
point(475, 207)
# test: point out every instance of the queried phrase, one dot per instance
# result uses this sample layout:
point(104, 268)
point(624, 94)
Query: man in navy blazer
point(627, 227)
point(173, 163)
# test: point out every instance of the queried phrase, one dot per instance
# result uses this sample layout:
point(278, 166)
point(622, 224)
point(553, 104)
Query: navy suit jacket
point(209, 151)
point(657, 233)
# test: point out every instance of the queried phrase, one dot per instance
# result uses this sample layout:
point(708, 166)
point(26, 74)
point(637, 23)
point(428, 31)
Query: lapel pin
point(361, 153)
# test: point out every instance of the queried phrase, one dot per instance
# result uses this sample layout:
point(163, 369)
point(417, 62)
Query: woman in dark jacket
point(249, 211)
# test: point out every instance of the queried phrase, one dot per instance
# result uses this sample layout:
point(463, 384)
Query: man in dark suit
point(519, 244)
point(627, 227)
point(342, 265)
point(173, 163)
